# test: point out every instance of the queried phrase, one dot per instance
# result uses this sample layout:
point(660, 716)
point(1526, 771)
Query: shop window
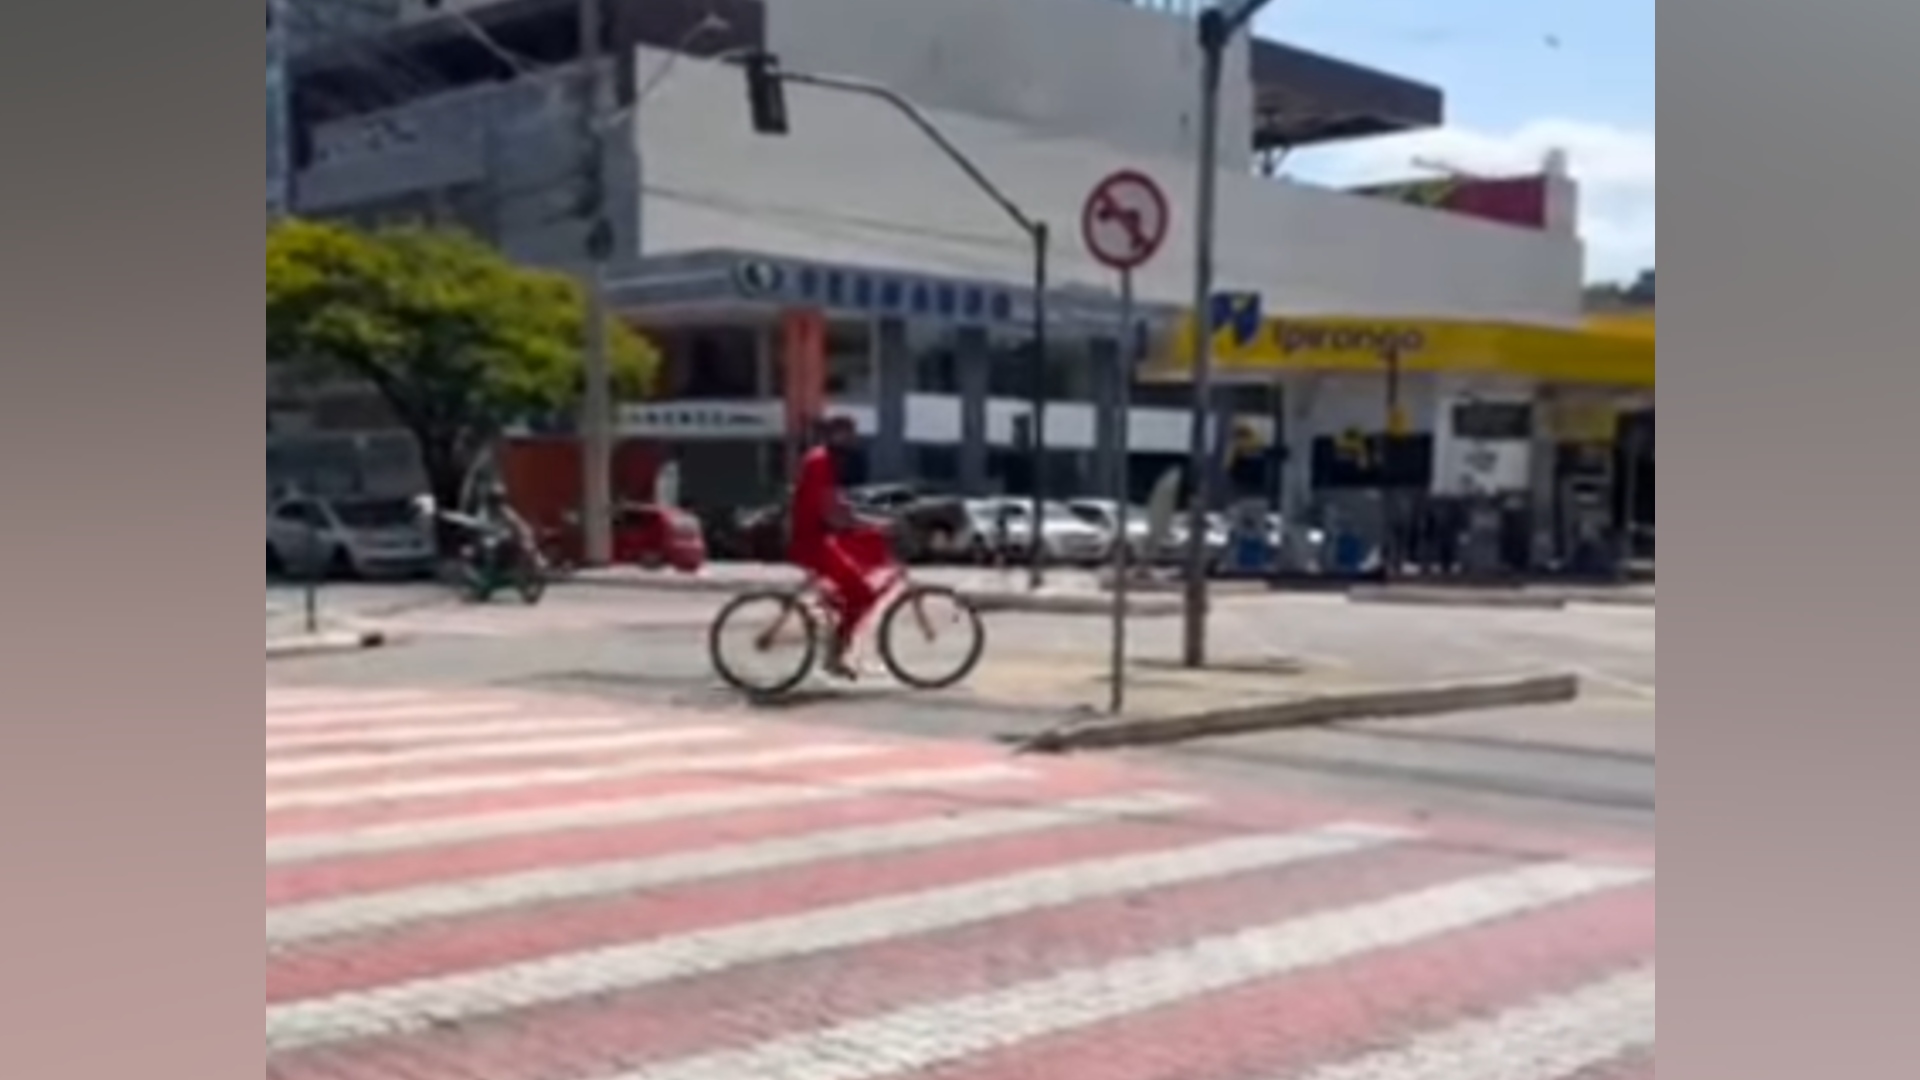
point(720, 366)
point(1493, 421)
point(1363, 460)
point(850, 359)
point(936, 359)
point(1010, 371)
point(937, 466)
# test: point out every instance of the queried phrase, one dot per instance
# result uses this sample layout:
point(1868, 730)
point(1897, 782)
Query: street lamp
point(1216, 26)
point(767, 102)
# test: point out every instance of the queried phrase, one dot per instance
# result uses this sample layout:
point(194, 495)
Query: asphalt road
point(1584, 766)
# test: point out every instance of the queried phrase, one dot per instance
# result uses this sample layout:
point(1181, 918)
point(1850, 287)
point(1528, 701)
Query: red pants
point(850, 592)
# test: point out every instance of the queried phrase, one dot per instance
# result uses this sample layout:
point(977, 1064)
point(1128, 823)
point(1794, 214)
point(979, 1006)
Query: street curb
point(1455, 598)
point(988, 603)
point(1150, 607)
point(1604, 600)
point(1319, 711)
point(325, 645)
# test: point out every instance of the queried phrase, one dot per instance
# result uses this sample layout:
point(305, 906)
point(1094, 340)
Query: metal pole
point(1390, 552)
point(279, 108)
point(597, 449)
point(1628, 436)
point(1037, 568)
point(1214, 30)
point(596, 419)
point(311, 593)
point(1122, 492)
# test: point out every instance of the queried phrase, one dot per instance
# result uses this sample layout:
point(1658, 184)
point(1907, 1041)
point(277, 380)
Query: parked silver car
point(348, 537)
point(1104, 514)
point(1002, 528)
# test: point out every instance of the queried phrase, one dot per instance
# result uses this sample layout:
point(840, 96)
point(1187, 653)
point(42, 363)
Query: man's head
point(837, 432)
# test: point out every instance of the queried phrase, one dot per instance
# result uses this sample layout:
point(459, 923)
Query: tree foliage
point(459, 341)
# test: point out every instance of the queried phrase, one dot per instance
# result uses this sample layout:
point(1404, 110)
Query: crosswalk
point(522, 887)
point(561, 612)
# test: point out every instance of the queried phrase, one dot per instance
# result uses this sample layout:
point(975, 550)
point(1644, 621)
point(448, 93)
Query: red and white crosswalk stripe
point(455, 889)
point(560, 612)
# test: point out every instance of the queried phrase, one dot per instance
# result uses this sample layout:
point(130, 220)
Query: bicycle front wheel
point(764, 644)
point(931, 637)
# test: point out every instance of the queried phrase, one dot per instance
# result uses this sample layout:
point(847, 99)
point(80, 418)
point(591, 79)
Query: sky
point(1521, 77)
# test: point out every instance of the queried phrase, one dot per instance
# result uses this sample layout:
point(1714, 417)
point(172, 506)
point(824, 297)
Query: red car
point(650, 537)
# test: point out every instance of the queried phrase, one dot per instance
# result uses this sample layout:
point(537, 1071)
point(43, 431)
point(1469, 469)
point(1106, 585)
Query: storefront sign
point(706, 421)
point(1294, 338)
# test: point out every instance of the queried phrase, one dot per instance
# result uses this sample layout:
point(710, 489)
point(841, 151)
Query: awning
point(1637, 326)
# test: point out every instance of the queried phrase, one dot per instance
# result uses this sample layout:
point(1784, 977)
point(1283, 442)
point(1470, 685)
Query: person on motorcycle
point(495, 512)
point(819, 519)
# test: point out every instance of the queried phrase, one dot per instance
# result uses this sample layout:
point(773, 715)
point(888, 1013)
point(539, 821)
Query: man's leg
point(853, 595)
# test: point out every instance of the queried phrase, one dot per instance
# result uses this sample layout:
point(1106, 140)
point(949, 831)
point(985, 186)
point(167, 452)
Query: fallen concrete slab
point(1308, 711)
point(324, 644)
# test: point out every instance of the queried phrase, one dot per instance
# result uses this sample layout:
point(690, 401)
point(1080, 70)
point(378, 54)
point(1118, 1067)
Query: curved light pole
point(764, 74)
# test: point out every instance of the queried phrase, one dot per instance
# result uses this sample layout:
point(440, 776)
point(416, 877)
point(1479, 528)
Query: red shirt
point(816, 498)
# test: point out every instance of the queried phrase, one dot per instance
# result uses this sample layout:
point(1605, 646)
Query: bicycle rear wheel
point(773, 627)
point(923, 615)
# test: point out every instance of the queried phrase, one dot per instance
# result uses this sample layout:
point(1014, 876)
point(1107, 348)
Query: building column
point(973, 359)
point(892, 379)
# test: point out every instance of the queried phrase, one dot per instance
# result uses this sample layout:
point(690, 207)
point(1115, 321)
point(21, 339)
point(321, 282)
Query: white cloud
point(1615, 167)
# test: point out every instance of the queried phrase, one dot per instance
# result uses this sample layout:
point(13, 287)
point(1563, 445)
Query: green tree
point(459, 341)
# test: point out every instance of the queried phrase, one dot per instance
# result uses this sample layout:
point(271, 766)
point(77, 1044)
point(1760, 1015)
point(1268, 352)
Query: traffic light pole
point(596, 405)
point(764, 77)
point(1216, 29)
point(280, 108)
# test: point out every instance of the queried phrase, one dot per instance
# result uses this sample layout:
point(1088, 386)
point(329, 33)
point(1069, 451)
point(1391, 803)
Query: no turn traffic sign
point(1125, 220)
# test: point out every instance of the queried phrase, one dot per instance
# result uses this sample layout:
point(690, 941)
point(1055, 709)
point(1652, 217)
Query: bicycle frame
point(813, 592)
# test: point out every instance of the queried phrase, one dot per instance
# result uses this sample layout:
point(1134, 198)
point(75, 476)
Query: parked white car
point(348, 537)
point(1218, 539)
point(1104, 514)
point(1066, 539)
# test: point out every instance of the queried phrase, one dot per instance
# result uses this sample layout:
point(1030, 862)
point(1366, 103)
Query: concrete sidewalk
point(1059, 688)
point(1544, 597)
point(1067, 592)
point(1082, 591)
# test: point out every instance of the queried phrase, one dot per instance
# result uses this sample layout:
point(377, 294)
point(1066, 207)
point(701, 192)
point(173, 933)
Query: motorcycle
point(494, 559)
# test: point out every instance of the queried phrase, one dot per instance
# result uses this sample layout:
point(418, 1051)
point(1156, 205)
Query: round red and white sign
point(1125, 220)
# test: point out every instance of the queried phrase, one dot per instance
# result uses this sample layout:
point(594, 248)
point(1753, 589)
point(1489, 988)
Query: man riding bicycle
point(820, 524)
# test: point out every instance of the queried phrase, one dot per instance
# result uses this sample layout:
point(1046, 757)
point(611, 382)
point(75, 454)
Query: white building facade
point(925, 283)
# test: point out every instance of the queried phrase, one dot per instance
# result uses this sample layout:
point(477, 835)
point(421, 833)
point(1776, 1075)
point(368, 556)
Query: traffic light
point(766, 94)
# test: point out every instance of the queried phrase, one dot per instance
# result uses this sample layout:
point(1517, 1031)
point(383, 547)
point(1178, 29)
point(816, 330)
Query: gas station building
point(852, 248)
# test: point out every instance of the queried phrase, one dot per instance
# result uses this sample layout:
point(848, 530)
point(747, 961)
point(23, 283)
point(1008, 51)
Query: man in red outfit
point(818, 518)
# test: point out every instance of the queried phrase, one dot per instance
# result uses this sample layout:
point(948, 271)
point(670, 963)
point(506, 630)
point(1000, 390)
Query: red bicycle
point(794, 621)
